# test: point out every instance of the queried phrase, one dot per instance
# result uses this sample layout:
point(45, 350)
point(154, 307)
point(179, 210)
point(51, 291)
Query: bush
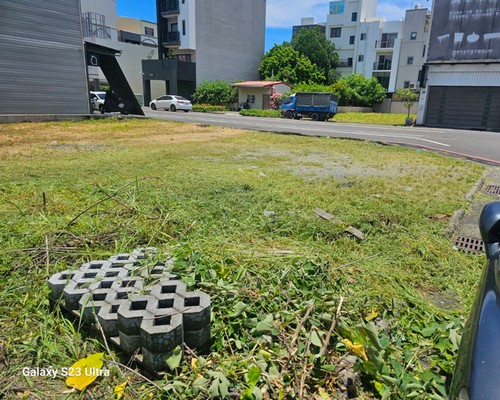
point(217, 93)
point(208, 108)
point(261, 113)
point(357, 90)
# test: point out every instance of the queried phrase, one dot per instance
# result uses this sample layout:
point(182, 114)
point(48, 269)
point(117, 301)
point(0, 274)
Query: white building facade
point(102, 26)
point(369, 45)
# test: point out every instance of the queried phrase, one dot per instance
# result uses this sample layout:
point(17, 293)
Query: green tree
point(357, 90)
point(284, 63)
point(409, 97)
point(313, 44)
point(218, 93)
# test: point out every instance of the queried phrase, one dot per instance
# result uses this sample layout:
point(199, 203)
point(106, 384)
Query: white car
point(172, 103)
point(97, 100)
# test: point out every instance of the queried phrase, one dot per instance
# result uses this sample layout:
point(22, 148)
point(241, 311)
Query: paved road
point(478, 145)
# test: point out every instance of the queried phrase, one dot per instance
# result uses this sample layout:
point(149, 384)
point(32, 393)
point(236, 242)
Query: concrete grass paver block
point(167, 286)
point(91, 303)
point(59, 281)
point(162, 333)
point(155, 361)
point(196, 310)
point(132, 311)
point(129, 343)
point(74, 291)
point(137, 306)
point(198, 339)
point(108, 318)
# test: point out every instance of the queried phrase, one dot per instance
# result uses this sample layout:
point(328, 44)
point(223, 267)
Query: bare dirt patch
point(94, 135)
point(316, 165)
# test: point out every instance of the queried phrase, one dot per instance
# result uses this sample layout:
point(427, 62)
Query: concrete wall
point(229, 39)
point(257, 92)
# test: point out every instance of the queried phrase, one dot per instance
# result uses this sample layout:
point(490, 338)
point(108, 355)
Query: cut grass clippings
point(292, 293)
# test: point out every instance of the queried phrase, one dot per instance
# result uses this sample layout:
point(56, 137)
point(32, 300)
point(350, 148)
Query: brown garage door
point(463, 107)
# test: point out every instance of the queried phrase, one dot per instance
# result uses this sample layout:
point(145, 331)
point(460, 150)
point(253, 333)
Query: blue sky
point(281, 14)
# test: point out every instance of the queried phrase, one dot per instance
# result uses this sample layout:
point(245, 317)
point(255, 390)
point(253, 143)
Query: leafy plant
point(409, 97)
point(284, 63)
point(357, 90)
point(217, 93)
point(313, 44)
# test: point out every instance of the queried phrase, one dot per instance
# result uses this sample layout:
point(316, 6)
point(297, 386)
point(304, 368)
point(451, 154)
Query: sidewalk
point(464, 228)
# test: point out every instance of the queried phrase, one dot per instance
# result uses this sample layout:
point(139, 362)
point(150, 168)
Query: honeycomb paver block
point(132, 284)
point(129, 343)
point(59, 281)
point(199, 339)
point(123, 259)
point(160, 272)
point(162, 333)
point(91, 303)
point(132, 311)
point(108, 318)
point(155, 361)
point(74, 291)
point(138, 306)
point(167, 286)
point(196, 310)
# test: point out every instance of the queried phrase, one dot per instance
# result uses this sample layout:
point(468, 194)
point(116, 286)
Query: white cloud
point(286, 13)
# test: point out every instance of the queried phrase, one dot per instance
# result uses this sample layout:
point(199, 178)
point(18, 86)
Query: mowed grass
point(237, 210)
point(372, 118)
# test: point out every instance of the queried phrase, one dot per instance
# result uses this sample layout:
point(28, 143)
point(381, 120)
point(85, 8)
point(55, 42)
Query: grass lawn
point(372, 118)
point(350, 117)
point(237, 210)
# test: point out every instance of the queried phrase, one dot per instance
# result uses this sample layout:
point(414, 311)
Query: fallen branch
point(332, 328)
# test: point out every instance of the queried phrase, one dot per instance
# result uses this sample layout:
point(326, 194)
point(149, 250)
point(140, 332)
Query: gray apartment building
point(461, 88)
point(206, 40)
point(42, 63)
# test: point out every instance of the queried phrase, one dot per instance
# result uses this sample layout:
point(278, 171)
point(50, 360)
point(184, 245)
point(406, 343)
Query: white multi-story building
point(369, 45)
point(135, 39)
point(206, 40)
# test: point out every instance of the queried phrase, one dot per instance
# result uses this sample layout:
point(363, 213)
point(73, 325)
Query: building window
point(409, 61)
point(407, 84)
point(336, 7)
point(335, 32)
point(413, 36)
point(363, 36)
point(349, 62)
point(250, 98)
point(388, 40)
point(423, 52)
point(351, 39)
point(183, 27)
point(361, 58)
point(149, 31)
point(354, 17)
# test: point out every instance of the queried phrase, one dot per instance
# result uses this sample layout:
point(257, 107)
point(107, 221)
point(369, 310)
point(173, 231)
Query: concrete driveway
point(477, 145)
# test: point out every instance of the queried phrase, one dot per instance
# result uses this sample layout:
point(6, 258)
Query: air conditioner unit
point(413, 85)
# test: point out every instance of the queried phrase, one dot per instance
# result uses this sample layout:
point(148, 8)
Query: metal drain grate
point(469, 245)
point(493, 189)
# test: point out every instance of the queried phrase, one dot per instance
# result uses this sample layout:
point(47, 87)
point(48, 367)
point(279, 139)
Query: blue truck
point(317, 106)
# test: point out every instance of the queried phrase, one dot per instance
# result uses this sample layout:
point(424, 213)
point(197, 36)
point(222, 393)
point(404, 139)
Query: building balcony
point(345, 63)
point(171, 39)
point(169, 7)
point(382, 66)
